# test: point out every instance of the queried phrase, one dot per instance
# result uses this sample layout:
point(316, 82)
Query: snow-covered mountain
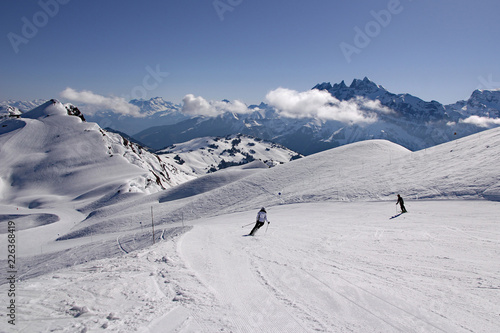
point(209, 154)
point(86, 259)
point(51, 155)
point(154, 111)
point(414, 123)
point(408, 108)
point(482, 103)
point(154, 105)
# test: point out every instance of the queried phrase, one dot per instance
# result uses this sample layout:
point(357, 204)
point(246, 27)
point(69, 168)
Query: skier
point(402, 204)
point(261, 220)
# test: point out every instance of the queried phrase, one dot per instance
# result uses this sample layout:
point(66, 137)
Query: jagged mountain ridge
point(414, 124)
point(482, 103)
point(409, 107)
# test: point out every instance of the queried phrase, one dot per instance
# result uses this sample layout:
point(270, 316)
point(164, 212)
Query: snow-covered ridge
point(482, 103)
point(371, 170)
point(413, 123)
point(155, 105)
point(209, 154)
point(51, 154)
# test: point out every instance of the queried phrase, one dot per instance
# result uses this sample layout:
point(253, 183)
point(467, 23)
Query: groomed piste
point(331, 260)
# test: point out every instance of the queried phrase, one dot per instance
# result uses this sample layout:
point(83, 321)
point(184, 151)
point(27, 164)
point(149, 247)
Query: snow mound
point(49, 108)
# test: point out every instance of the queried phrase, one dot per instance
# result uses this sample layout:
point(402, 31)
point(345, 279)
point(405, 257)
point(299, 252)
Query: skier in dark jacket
point(402, 204)
point(261, 220)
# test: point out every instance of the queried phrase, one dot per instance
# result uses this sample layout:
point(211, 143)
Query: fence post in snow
point(152, 224)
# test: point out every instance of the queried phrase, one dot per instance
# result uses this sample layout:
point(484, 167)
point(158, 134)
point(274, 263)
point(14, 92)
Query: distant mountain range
point(412, 123)
point(155, 112)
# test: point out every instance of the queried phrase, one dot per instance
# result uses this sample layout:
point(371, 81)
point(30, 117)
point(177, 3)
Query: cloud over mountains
point(290, 103)
point(94, 102)
point(199, 106)
point(322, 105)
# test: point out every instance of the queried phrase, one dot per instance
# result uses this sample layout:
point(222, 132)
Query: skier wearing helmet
point(261, 220)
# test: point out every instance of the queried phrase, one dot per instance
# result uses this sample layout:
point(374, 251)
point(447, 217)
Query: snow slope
point(320, 267)
point(49, 156)
point(332, 260)
point(369, 170)
point(55, 168)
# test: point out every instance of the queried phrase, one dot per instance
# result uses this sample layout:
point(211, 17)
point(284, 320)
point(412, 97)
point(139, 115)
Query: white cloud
point(481, 121)
point(201, 107)
point(95, 101)
point(321, 104)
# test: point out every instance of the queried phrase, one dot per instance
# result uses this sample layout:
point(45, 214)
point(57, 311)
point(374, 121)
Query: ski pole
point(267, 226)
point(246, 225)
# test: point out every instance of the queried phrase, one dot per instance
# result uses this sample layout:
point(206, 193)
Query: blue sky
point(242, 49)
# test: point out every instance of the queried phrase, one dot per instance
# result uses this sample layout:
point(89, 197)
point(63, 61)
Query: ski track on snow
point(395, 281)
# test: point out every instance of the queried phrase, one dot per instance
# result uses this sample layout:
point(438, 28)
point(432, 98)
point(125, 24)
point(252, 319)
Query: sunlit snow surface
point(332, 259)
point(327, 267)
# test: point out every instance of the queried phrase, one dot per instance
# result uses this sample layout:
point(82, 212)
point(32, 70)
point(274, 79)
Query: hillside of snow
point(336, 257)
point(51, 157)
point(369, 171)
point(318, 267)
point(207, 154)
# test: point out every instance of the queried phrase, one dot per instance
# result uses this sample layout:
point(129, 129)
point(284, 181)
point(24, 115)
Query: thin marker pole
point(152, 224)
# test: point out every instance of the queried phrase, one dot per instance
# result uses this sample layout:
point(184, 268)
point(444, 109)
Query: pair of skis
point(246, 225)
